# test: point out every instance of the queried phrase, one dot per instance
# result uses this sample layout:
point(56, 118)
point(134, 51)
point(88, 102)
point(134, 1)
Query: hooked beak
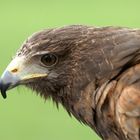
point(7, 81)
point(19, 72)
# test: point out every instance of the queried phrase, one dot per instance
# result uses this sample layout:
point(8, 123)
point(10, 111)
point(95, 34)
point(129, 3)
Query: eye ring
point(49, 60)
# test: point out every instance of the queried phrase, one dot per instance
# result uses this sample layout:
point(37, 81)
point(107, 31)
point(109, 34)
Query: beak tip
point(4, 95)
point(3, 89)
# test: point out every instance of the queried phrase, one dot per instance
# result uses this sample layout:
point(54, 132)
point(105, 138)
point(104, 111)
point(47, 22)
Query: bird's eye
point(49, 60)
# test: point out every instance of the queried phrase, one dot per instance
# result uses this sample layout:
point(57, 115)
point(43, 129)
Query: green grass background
point(24, 116)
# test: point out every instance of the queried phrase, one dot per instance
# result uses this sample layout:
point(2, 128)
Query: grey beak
point(8, 81)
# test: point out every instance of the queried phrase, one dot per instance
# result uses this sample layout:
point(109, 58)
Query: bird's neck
point(79, 103)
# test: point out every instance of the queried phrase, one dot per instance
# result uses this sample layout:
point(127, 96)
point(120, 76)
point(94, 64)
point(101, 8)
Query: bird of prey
point(94, 72)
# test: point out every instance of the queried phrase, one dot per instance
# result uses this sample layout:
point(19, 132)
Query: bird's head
point(48, 62)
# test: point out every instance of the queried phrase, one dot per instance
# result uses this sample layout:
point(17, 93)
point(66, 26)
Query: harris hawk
point(94, 72)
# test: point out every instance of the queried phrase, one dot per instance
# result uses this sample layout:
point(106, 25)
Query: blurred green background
point(23, 115)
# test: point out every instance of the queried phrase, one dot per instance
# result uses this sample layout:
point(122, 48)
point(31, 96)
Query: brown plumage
point(93, 72)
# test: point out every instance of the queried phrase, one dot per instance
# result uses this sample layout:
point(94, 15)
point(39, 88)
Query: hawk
point(94, 72)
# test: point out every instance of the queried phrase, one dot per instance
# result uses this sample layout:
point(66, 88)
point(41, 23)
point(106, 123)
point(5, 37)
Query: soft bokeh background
point(24, 116)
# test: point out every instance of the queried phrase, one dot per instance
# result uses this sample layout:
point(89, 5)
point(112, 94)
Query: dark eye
point(49, 60)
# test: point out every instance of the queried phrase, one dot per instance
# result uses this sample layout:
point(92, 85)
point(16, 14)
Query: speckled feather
point(97, 78)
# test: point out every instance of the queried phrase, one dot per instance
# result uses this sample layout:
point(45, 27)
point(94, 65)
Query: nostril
point(14, 70)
